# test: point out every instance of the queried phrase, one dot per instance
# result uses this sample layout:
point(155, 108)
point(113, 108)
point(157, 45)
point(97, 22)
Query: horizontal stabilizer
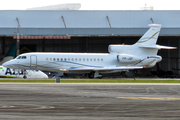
point(158, 47)
point(166, 47)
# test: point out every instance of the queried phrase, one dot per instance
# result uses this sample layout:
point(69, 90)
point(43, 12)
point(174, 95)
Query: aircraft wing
point(123, 68)
point(80, 69)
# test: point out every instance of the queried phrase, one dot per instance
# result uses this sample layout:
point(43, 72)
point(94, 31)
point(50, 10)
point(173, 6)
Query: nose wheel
point(24, 76)
point(25, 73)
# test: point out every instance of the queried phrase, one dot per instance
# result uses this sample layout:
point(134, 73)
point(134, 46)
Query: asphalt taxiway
point(89, 101)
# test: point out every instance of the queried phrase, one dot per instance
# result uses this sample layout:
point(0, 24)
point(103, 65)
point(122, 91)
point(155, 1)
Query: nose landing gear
point(25, 73)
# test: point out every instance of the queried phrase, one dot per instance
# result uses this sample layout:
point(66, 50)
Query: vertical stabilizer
point(12, 51)
point(151, 36)
point(11, 54)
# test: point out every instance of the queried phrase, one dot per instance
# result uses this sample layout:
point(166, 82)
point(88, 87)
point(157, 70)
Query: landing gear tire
point(24, 77)
point(25, 73)
point(100, 77)
point(91, 75)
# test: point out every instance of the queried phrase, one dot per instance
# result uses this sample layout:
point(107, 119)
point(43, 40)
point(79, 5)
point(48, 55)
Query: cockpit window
point(23, 57)
point(19, 57)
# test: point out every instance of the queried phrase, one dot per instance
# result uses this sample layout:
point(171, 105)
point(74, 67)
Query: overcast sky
point(93, 4)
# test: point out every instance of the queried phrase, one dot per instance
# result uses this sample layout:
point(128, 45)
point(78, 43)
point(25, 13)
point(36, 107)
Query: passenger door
point(33, 61)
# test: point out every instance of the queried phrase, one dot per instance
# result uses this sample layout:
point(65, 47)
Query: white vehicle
point(142, 54)
point(32, 74)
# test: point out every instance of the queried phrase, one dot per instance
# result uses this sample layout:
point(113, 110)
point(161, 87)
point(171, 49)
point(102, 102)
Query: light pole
point(18, 41)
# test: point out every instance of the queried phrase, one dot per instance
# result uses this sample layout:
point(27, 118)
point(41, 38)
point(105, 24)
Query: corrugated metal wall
point(82, 23)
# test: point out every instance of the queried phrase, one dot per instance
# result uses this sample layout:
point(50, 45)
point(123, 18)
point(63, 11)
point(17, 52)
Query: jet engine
point(125, 58)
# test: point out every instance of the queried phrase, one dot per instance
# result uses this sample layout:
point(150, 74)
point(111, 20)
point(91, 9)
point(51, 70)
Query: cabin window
point(98, 59)
point(94, 59)
point(91, 59)
point(50, 59)
point(46, 59)
point(54, 59)
point(72, 59)
point(101, 59)
point(79, 59)
point(68, 59)
point(61, 59)
point(83, 59)
point(76, 59)
point(64, 59)
point(57, 59)
point(87, 59)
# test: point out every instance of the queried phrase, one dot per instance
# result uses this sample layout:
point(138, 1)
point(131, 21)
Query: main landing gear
point(95, 75)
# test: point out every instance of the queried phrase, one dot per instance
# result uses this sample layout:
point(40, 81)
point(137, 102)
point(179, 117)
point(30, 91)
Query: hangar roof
point(85, 23)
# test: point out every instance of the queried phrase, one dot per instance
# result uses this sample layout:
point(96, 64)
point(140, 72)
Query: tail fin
point(12, 51)
point(11, 54)
point(150, 37)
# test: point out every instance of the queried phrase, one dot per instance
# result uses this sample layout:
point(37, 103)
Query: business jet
point(142, 54)
point(31, 74)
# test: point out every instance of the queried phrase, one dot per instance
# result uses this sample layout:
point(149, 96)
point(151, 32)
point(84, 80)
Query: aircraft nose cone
point(7, 64)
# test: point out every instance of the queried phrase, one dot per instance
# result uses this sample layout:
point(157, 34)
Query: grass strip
point(119, 81)
point(90, 81)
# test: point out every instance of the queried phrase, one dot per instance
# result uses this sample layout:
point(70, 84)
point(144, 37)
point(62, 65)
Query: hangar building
point(88, 31)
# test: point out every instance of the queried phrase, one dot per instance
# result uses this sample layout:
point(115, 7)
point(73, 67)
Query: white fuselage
point(62, 62)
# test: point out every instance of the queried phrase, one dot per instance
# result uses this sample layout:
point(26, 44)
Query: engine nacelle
point(117, 48)
point(125, 58)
